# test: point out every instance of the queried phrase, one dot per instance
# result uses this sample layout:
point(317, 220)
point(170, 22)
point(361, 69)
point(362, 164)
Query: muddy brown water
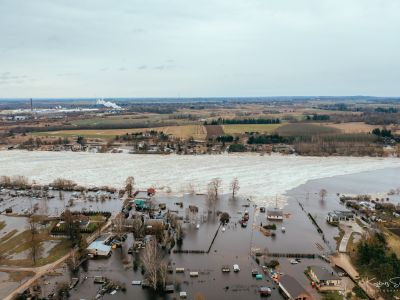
point(233, 245)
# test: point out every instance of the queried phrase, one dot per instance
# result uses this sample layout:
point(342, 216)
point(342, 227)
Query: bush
point(237, 148)
point(224, 218)
point(273, 264)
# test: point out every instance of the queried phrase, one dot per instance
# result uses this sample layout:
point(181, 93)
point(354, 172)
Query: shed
point(276, 214)
point(151, 191)
point(169, 288)
point(98, 248)
point(325, 280)
point(290, 288)
point(140, 203)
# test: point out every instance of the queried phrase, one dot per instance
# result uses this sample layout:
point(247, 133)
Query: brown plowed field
point(214, 130)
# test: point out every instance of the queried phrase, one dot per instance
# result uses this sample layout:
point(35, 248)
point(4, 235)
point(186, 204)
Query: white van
point(236, 268)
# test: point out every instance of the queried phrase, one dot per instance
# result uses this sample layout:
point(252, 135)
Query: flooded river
point(262, 177)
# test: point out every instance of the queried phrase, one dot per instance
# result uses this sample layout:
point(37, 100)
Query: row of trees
point(266, 139)
point(316, 117)
point(221, 121)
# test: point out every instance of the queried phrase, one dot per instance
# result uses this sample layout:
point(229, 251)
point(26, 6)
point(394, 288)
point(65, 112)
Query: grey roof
point(275, 212)
point(292, 286)
point(323, 273)
point(346, 213)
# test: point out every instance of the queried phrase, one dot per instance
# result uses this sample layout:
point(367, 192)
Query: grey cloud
point(297, 47)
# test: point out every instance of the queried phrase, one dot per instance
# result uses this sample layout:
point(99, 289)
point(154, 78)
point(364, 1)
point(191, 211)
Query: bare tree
point(191, 189)
point(34, 240)
point(162, 274)
point(193, 212)
point(20, 182)
point(137, 227)
point(73, 261)
point(129, 185)
point(151, 259)
point(213, 188)
point(215, 185)
point(234, 187)
point(72, 227)
point(322, 194)
point(179, 231)
point(118, 223)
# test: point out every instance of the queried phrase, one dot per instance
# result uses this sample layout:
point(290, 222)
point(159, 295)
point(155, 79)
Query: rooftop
point(275, 212)
point(99, 245)
point(292, 286)
point(323, 273)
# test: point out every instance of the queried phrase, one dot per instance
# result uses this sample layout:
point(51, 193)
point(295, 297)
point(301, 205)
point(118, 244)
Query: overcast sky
point(160, 48)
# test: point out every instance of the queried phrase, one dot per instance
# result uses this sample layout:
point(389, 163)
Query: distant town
point(341, 126)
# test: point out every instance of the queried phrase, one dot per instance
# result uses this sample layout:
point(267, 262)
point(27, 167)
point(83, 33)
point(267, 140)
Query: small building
point(84, 221)
point(339, 215)
point(142, 195)
point(275, 214)
point(98, 248)
point(291, 289)
point(325, 280)
point(140, 204)
point(151, 191)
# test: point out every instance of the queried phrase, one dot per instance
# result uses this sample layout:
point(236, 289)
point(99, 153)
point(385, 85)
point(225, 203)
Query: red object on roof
point(151, 191)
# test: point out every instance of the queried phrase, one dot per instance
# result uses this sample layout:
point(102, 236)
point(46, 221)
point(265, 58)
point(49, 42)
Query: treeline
point(389, 110)
point(141, 135)
point(226, 138)
point(316, 117)
point(382, 132)
point(221, 121)
point(37, 142)
point(267, 139)
point(373, 118)
point(322, 148)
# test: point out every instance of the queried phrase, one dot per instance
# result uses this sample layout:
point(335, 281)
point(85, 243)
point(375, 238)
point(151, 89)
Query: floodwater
point(234, 245)
point(57, 201)
point(378, 182)
point(262, 177)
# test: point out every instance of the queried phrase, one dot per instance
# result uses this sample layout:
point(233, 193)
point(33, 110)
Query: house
point(98, 248)
point(338, 216)
point(140, 204)
point(275, 215)
point(84, 221)
point(151, 191)
point(291, 289)
point(325, 280)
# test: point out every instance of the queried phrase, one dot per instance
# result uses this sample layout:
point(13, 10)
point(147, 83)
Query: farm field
point(243, 128)
point(214, 130)
point(352, 127)
point(306, 129)
point(118, 120)
point(184, 131)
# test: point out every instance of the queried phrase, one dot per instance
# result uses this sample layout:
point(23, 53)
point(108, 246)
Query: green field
point(243, 128)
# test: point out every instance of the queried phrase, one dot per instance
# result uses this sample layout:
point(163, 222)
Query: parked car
point(236, 268)
point(225, 269)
